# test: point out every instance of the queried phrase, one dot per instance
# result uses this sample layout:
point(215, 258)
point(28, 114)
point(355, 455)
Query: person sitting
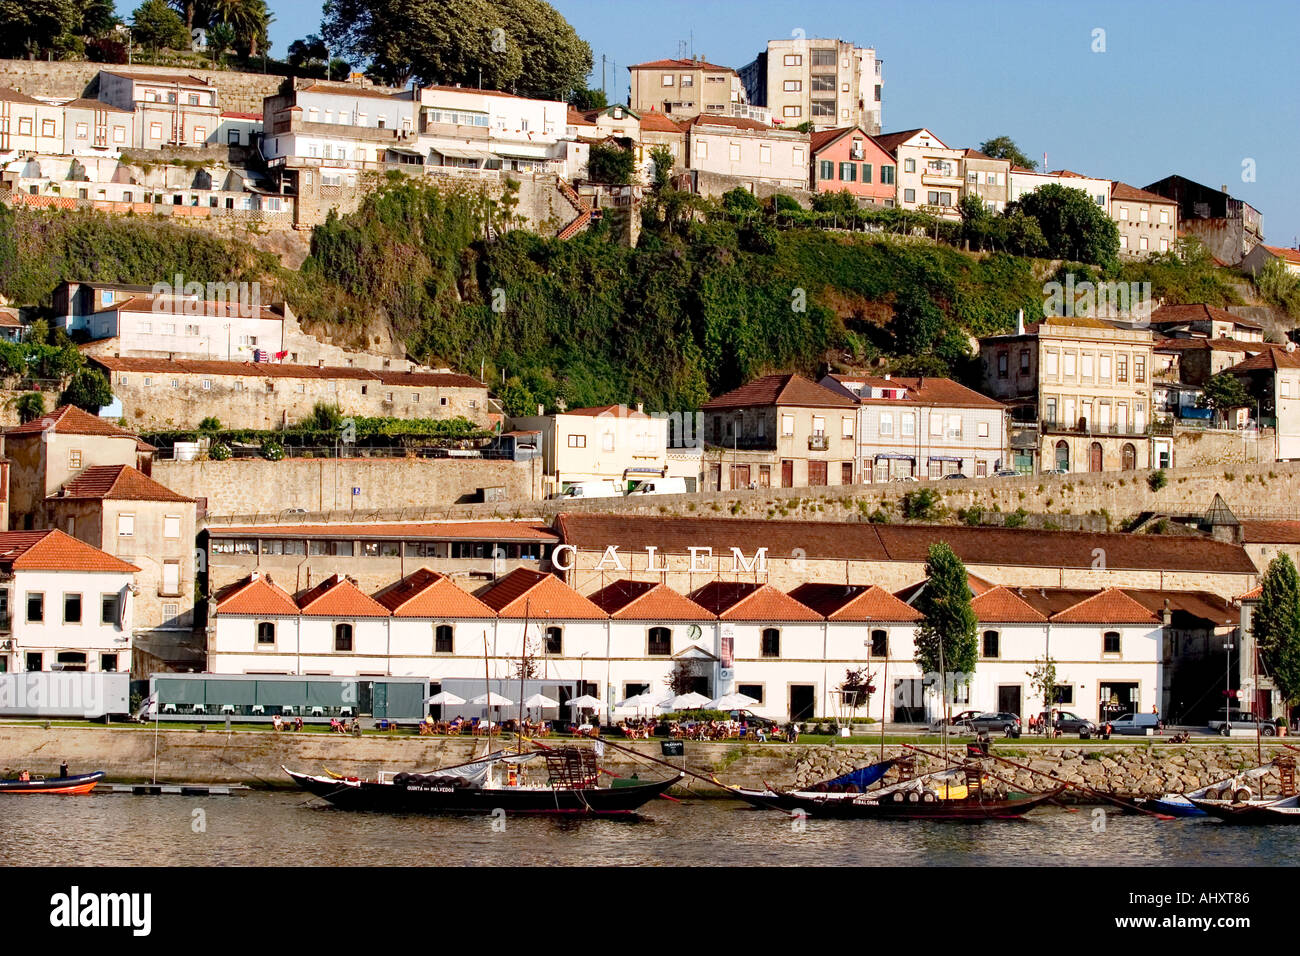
point(297, 723)
point(24, 776)
point(277, 723)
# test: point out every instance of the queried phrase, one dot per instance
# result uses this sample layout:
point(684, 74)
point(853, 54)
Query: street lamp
point(1227, 687)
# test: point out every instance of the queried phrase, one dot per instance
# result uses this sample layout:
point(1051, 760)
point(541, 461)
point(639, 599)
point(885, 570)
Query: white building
point(1025, 181)
point(64, 605)
point(607, 443)
point(184, 327)
point(929, 177)
point(488, 129)
point(824, 81)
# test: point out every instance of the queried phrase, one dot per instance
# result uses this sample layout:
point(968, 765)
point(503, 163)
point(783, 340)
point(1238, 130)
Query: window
point(343, 637)
point(108, 663)
point(659, 642)
point(879, 643)
point(171, 526)
point(1085, 366)
point(846, 427)
point(71, 608)
point(108, 609)
point(792, 112)
point(792, 59)
point(1103, 368)
point(265, 633)
point(765, 153)
point(702, 150)
point(35, 607)
point(909, 165)
point(991, 645)
point(607, 441)
point(887, 175)
point(866, 172)
point(442, 639)
point(74, 459)
point(848, 172)
point(1143, 215)
point(771, 642)
point(733, 152)
point(24, 126)
point(825, 169)
point(886, 424)
point(1164, 216)
point(553, 640)
point(787, 425)
point(1068, 364)
point(155, 130)
point(125, 525)
point(1024, 361)
point(1110, 642)
point(908, 423)
point(1121, 368)
point(1050, 361)
point(577, 441)
point(1139, 368)
point(909, 195)
point(953, 429)
point(1123, 213)
point(171, 579)
point(983, 430)
point(1002, 365)
point(667, 79)
point(792, 86)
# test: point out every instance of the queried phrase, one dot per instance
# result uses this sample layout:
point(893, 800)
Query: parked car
point(1055, 471)
point(991, 721)
point(1006, 473)
point(1143, 725)
point(1240, 720)
point(956, 475)
point(754, 720)
point(589, 489)
point(956, 720)
point(660, 486)
point(903, 478)
point(1068, 723)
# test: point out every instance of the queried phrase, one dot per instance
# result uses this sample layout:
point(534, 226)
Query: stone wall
point(1199, 448)
point(266, 489)
point(237, 92)
point(126, 753)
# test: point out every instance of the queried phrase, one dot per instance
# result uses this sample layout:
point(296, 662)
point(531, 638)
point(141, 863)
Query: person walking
point(63, 770)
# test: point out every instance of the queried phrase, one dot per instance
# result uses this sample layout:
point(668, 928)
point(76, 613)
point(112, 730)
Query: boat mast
point(523, 666)
point(487, 683)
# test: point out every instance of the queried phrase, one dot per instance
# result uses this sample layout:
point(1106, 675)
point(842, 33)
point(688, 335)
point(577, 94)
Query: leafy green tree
point(194, 12)
point(583, 99)
point(1276, 626)
point(158, 26)
point(917, 323)
point(1004, 147)
point(1225, 391)
point(663, 161)
point(324, 417)
point(249, 19)
point(29, 406)
point(33, 25)
point(842, 202)
point(1075, 227)
point(611, 165)
point(945, 637)
point(98, 17)
point(520, 45)
point(221, 39)
point(88, 389)
point(210, 424)
point(741, 201)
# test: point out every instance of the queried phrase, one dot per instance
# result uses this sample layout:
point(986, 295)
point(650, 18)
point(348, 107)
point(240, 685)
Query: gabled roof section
point(627, 600)
point(339, 597)
point(425, 593)
point(890, 142)
point(52, 550)
point(854, 602)
point(681, 65)
point(656, 122)
point(116, 483)
point(934, 392)
point(746, 601)
point(1124, 191)
point(1111, 606)
point(780, 389)
point(70, 420)
point(1001, 605)
point(1269, 360)
point(525, 592)
point(257, 595)
point(1200, 312)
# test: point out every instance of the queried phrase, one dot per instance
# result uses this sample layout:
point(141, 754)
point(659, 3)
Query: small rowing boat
point(81, 783)
point(1255, 812)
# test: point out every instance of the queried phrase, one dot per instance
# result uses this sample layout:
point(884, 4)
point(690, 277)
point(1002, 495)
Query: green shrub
point(1157, 479)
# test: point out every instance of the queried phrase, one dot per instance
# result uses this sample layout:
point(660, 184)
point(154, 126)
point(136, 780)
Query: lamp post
point(1227, 688)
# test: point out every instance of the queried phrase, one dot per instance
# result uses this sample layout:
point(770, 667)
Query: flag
point(280, 356)
point(147, 705)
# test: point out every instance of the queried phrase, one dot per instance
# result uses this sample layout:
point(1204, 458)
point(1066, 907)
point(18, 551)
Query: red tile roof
point(425, 593)
point(781, 389)
point(626, 600)
point(854, 602)
point(259, 596)
point(509, 531)
point(734, 122)
point(83, 103)
point(1290, 255)
point(164, 79)
point(1120, 190)
point(745, 601)
point(10, 95)
point(654, 121)
point(681, 65)
point(977, 585)
point(1254, 594)
point(70, 420)
point(52, 550)
point(351, 89)
point(1199, 312)
point(890, 142)
point(1111, 606)
point(1001, 605)
point(525, 592)
point(1270, 532)
point(339, 597)
point(615, 411)
point(1268, 360)
point(937, 392)
point(171, 305)
point(116, 483)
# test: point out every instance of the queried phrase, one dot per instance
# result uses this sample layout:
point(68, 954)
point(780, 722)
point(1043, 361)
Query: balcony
point(1024, 435)
point(935, 177)
point(818, 443)
point(1093, 428)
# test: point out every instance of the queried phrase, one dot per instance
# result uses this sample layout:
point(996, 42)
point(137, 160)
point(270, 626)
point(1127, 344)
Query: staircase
point(582, 220)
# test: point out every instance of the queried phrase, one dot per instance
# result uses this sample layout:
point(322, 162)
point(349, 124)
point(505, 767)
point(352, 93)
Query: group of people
point(341, 726)
point(638, 728)
point(280, 723)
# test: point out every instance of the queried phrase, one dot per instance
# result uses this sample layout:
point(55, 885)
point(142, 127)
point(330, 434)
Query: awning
point(896, 456)
point(944, 458)
point(403, 151)
point(451, 153)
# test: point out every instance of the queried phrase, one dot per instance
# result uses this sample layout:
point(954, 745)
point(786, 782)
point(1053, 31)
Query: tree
point(194, 12)
point(842, 202)
point(1225, 391)
point(98, 17)
point(1276, 626)
point(740, 201)
point(611, 165)
point(662, 159)
point(1043, 679)
point(583, 99)
point(221, 37)
point(1004, 147)
point(88, 389)
point(917, 322)
point(1075, 227)
point(156, 25)
point(520, 45)
point(33, 25)
point(29, 406)
point(249, 19)
point(310, 50)
point(945, 637)
point(324, 417)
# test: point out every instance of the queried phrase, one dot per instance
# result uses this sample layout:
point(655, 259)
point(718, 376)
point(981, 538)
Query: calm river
point(287, 829)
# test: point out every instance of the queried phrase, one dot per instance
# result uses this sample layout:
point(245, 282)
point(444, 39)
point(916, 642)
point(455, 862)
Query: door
point(909, 700)
point(1094, 456)
point(1063, 455)
point(802, 699)
point(787, 473)
point(739, 476)
point(846, 473)
point(817, 473)
point(365, 696)
point(715, 477)
point(1118, 698)
point(378, 699)
point(1130, 457)
point(1009, 698)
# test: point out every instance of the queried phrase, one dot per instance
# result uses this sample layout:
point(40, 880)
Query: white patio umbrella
point(541, 700)
point(586, 700)
point(732, 702)
point(690, 701)
point(639, 702)
point(491, 700)
point(446, 698)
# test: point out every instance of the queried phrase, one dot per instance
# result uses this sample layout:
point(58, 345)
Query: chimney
point(640, 407)
point(320, 363)
point(541, 410)
point(1224, 187)
point(252, 576)
point(1020, 321)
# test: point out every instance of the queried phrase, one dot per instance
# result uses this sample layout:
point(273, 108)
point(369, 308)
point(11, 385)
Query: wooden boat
point(1255, 812)
point(1182, 805)
point(498, 781)
point(80, 783)
point(853, 782)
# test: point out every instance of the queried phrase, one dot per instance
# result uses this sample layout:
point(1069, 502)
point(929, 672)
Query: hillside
point(589, 321)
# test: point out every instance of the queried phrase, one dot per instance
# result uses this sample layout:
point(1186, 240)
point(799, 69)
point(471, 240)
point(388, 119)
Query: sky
point(1205, 89)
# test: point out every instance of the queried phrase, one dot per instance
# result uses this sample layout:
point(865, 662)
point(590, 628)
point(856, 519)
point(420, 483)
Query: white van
point(1142, 725)
point(660, 486)
point(590, 489)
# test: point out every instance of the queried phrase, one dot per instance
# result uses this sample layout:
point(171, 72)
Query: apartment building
point(338, 128)
point(1207, 322)
point(924, 427)
point(1147, 222)
point(780, 431)
point(1024, 181)
point(684, 88)
point(1272, 379)
point(609, 443)
point(930, 177)
point(165, 325)
point(171, 109)
point(725, 152)
point(986, 178)
point(1230, 228)
point(849, 159)
point(28, 125)
point(1079, 390)
point(469, 128)
point(827, 82)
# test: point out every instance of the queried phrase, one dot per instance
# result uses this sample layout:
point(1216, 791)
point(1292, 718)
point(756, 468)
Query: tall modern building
point(830, 83)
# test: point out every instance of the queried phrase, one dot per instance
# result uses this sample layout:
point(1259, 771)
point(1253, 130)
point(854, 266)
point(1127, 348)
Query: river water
point(288, 829)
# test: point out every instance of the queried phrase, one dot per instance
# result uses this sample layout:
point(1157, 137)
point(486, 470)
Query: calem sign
point(612, 559)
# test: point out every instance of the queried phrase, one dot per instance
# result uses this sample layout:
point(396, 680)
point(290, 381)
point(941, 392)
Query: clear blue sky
point(1193, 87)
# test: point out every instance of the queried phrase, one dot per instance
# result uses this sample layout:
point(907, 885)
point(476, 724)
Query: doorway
point(1009, 698)
point(1130, 457)
point(1094, 456)
point(1063, 456)
point(1118, 698)
point(787, 473)
point(802, 699)
point(909, 700)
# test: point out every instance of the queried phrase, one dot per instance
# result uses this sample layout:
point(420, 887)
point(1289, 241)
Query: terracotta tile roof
point(508, 531)
point(1197, 344)
point(184, 79)
point(525, 591)
point(854, 602)
point(1200, 604)
point(781, 389)
point(976, 154)
point(681, 65)
point(654, 121)
point(84, 103)
point(284, 370)
point(1200, 312)
point(977, 585)
point(10, 95)
point(626, 600)
point(1111, 606)
point(861, 541)
point(1268, 360)
point(169, 305)
point(425, 593)
point(1254, 594)
point(52, 550)
point(9, 318)
point(427, 379)
point(1290, 255)
point(745, 601)
point(1001, 605)
point(1270, 532)
point(259, 596)
point(339, 597)
point(350, 89)
point(823, 138)
point(70, 420)
point(116, 483)
point(578, 119)
point(890, 142)
point(1120, 190)
point(938, 392)
point(617, 411)
point(734, 122)
point(231, 114)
